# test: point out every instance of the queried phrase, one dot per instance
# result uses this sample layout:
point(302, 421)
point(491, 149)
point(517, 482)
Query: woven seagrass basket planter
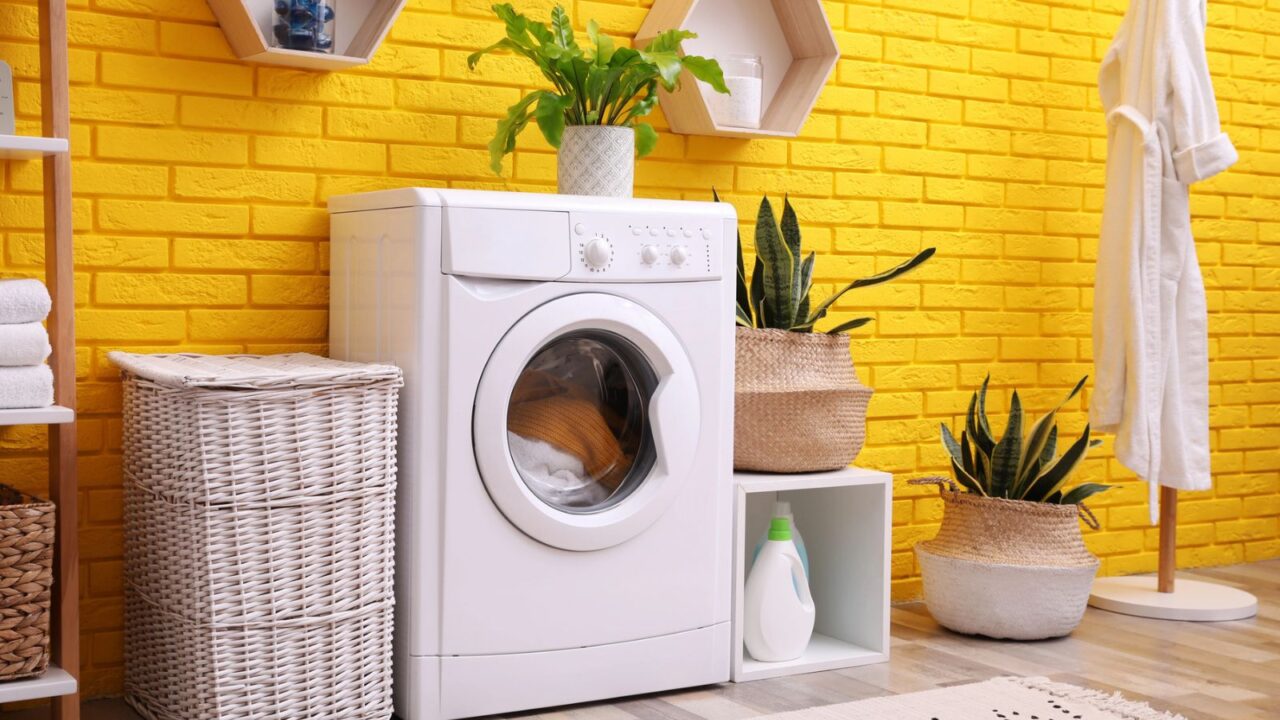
point(26, 583)
point(1007, 569)
point(798, 405)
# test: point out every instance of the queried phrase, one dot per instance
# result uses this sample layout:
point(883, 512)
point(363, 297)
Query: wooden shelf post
point(60, 278)
point(1168, 563)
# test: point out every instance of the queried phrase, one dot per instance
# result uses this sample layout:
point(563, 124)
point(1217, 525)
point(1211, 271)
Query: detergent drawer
point(507, 244)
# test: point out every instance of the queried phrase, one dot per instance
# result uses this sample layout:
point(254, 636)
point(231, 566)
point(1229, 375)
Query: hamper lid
point(255, 372)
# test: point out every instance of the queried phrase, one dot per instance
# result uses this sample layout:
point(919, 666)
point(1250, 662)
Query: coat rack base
point(1191, 600)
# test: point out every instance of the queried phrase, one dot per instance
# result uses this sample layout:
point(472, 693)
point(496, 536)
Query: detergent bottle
point(778, 610)
point(782, 508)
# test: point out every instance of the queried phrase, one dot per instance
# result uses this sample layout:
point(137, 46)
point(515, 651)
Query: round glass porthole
point(578, 426)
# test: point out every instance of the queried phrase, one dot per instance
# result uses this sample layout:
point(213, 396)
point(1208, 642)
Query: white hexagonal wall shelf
point(359, 28)
point(793, 39)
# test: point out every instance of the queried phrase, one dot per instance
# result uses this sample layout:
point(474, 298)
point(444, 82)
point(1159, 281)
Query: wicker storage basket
point(26, 583)
point(259, 536)
point(798, 405)
point(1007, 569)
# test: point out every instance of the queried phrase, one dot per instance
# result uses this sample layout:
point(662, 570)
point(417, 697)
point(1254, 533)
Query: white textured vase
point(597, 160)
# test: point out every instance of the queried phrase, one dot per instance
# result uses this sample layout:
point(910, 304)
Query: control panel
point(645, 248)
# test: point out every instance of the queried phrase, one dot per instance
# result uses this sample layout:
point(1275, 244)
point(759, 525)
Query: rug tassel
point(1113, 703)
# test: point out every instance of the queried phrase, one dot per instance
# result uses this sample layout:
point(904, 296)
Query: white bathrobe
point(1150, 339)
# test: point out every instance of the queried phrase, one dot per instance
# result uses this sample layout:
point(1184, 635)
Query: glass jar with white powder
point(743, 106)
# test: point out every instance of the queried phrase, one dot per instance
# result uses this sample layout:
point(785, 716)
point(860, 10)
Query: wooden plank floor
point(1200, 670)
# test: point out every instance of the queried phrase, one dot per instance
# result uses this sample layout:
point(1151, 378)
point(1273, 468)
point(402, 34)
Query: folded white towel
point(26, 387)
point(25, 344)
point(23, 301)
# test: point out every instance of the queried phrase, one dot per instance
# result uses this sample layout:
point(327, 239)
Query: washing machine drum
point(586, 420)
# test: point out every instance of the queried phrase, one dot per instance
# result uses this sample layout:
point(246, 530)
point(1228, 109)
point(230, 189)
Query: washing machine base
point(447, 688)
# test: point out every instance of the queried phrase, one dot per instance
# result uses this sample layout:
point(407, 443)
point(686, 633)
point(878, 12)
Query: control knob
point(598, 253)
point(649, 254)
point(679, 254)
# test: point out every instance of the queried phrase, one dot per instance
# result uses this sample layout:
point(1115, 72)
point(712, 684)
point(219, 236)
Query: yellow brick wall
point(970, 125)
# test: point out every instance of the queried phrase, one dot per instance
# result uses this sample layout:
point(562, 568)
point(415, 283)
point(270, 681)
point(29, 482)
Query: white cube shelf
point(845, 518)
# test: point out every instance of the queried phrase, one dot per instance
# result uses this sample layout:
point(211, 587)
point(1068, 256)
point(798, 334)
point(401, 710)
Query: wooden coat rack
point(1164, 597)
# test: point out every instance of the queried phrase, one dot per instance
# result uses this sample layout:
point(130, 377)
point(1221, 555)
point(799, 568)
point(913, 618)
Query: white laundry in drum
point(555, 473)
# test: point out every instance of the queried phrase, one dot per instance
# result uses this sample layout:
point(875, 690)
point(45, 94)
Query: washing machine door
point(586, 421)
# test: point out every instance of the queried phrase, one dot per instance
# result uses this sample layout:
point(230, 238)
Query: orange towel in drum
point(544, 407)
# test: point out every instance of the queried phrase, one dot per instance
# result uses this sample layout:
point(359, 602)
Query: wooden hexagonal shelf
point(360, 27)
point(792, 38)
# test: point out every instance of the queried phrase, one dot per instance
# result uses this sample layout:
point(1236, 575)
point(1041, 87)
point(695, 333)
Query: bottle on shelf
point(782, 508)
point(778, 609)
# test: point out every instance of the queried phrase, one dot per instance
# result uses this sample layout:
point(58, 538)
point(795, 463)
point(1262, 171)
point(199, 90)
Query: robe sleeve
point(1201, 149)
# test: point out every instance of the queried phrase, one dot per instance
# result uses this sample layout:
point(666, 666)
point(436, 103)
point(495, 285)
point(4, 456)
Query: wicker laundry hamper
point(1007, 569)
point(798, 405)
point(26, 583)
point(259, 536)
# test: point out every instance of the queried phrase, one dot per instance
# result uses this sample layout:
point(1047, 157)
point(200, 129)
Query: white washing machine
point(565, 438)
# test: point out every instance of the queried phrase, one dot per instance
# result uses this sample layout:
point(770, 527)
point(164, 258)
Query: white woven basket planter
point(597, 160)
point(1006, 602)
point(259, 536)
point(1006, 569)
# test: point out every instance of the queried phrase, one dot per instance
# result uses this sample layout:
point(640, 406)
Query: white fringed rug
point(1004, 698)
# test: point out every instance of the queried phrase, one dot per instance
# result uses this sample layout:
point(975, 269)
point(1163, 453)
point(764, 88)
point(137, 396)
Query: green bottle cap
point(780, 529)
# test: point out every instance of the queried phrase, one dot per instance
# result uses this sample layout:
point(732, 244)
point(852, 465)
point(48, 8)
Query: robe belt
point(1133, 115)
point(1149, 132)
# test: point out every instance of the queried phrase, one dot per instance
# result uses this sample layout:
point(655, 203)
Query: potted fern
point(599, 94)
point(799, 406)
point(1009, 561)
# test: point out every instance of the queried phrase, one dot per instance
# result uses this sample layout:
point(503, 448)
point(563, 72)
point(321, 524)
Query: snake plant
point(1016, 467)
point(777, 295)
point(600, 84)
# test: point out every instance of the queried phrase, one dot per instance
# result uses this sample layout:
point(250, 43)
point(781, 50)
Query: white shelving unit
point(55, 682)
point(25, 147)
point(845, 518)
point(59, 683)
point(52, 415)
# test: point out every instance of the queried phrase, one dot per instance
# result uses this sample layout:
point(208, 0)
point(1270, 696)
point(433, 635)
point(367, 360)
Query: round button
point(636, 231)
point(671, 232)
point(679, 254)
point(653, 232)
point(579, 229)
point(649, 254)
point(706, 235)
point(688, 233)
point(598, 253)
